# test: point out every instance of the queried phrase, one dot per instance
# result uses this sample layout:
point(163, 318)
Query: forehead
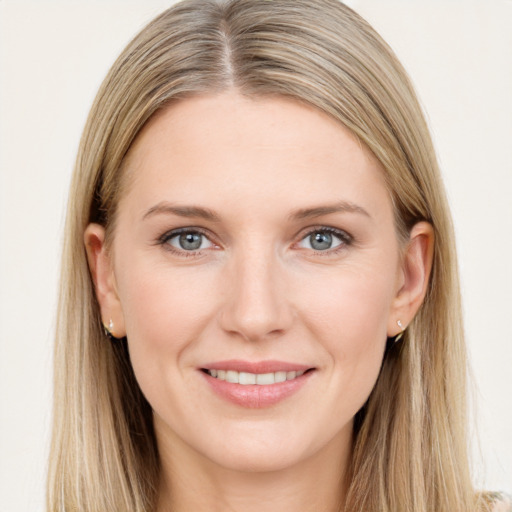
point(206, 146)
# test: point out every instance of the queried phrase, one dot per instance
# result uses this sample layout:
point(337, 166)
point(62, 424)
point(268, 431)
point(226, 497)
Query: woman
point(266, 313)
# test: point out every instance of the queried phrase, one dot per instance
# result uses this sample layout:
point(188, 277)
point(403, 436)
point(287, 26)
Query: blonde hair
point(410, 442)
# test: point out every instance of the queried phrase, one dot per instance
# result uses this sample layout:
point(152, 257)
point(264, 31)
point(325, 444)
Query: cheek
point(351, 322)
point(164, 313)
point(353, 307)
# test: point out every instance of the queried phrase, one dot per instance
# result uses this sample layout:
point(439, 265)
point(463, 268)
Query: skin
point(256, 290)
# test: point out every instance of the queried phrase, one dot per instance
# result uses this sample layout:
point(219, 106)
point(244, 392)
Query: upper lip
point(269, 366)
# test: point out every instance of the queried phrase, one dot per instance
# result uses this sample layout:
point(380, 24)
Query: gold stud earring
point(398, 337)
point(109, 329)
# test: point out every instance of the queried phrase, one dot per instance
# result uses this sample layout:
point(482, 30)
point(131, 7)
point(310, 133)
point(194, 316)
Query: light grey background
point(53, 56)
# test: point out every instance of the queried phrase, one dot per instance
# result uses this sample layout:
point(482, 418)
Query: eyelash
point(169, 235)
point(343, 236)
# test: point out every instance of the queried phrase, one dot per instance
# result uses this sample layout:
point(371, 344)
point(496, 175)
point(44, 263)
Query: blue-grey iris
point(190, 241)
point(321, 241)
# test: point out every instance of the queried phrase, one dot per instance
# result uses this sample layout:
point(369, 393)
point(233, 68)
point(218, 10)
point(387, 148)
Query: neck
point(191, 482)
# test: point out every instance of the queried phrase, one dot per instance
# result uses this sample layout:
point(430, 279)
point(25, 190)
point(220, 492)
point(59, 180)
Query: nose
point(256, 306)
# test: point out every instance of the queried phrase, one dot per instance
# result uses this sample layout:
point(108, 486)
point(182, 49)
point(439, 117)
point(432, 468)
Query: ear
point(102, 272)
point(413, 278)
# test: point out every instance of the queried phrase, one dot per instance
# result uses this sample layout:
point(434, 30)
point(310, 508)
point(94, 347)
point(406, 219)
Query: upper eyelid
point(189, 229)
point(315, 229)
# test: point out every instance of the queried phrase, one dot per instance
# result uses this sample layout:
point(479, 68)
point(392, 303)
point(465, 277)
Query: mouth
point(256, 385)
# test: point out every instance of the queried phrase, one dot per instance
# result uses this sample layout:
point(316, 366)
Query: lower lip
point(254, 396)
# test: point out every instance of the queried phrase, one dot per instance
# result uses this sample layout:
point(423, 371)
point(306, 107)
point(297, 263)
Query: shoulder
point(501, 502)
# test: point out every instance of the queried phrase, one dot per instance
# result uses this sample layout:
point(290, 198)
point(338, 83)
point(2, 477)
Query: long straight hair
point(410, 447)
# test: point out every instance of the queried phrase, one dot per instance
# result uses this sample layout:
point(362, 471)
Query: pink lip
point(256, 396)
point(270, 366)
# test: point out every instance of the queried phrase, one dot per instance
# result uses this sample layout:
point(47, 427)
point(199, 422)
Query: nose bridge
point(256, 305)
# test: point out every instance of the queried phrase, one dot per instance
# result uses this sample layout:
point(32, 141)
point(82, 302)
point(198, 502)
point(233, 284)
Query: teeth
point(261, 379)
point(247, 378)
point(232, 376)
point(280, 376)
point(265, 378)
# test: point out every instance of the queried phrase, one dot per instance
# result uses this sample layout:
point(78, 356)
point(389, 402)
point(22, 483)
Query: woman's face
point(256, 240)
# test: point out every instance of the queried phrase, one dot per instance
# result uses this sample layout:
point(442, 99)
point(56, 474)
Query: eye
point(324, 239)
point(188, 240)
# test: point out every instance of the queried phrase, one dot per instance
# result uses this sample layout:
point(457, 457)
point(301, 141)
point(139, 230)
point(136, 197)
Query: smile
point(260, 379)
point(256, 385)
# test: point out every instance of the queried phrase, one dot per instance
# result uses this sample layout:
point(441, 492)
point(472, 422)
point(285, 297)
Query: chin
point(257, 460)
point(257, 451)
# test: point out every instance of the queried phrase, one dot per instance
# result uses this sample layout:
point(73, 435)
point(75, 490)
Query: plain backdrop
point(53, 56)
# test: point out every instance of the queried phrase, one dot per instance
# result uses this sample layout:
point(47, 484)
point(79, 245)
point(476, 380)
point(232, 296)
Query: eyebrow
point(182, 211)
point(319, 211)
point(165, 208)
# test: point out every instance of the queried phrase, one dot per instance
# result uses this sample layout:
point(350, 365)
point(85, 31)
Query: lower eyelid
point(199, 249)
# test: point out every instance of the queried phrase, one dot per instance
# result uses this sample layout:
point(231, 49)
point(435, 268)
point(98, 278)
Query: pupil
point(321, 241)
point(190, 241)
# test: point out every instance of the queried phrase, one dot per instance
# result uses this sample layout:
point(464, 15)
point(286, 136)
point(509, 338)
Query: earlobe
point(102, 273)
point(416, 267)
